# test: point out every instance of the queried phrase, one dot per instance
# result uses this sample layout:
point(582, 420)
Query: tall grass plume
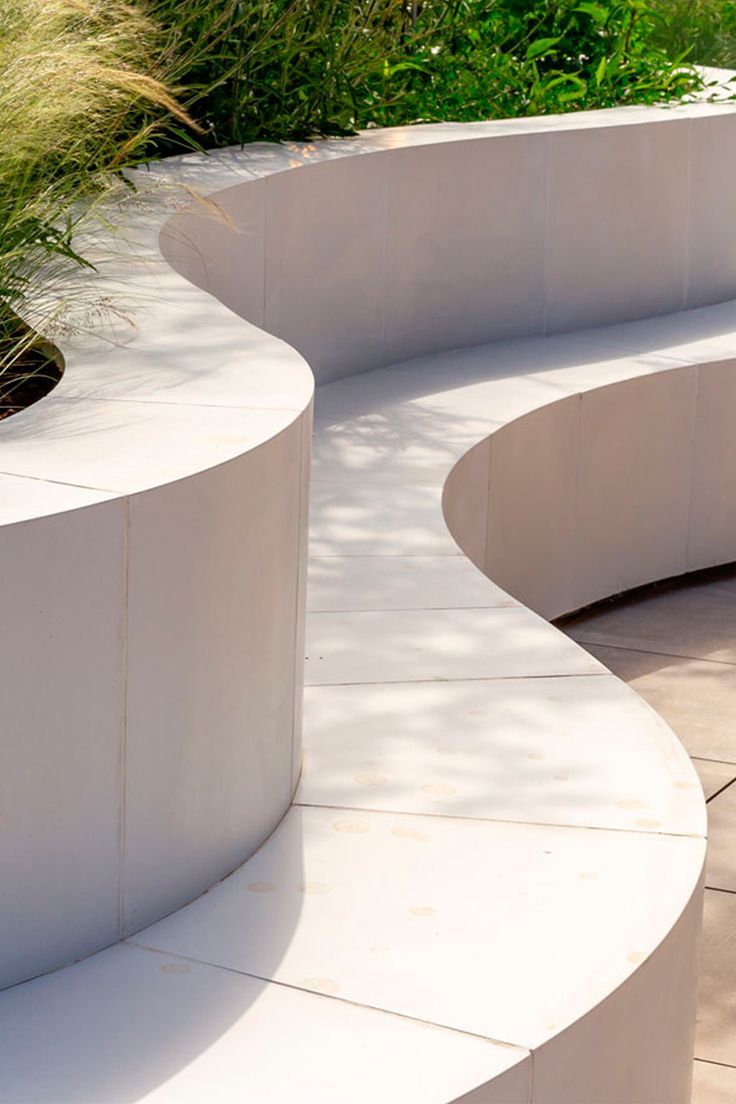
point(83, 91)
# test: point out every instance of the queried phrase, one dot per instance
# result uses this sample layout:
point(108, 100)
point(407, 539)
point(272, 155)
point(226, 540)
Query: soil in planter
point(28, 377)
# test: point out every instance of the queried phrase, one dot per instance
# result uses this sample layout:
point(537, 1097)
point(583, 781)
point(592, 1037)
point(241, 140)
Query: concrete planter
point(154, 525)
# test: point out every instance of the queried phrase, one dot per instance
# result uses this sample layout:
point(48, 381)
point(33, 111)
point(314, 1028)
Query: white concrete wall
point(149, 687)
point(604, 491)
point(410, 241)
point(153, 514)
point(164, 479)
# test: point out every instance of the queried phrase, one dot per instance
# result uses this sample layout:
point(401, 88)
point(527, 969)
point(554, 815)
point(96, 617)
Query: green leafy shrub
point(513, 58)
point(294, 68)
point(84, 91)
point(705, 30)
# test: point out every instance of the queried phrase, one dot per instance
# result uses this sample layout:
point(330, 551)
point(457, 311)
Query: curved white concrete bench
point(489, 886)
point(151, 691)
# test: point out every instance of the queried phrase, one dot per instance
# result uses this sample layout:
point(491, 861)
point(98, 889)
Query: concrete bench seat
point(488, 884)
point(479, 799)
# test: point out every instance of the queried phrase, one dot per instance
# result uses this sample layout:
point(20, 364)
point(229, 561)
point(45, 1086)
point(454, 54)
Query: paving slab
point(358, 521)
point(720, 872)
point(130, 1025)
point(443, 921)
point(715, 1037)
point(713, 1084)
point(575, 750)
point(705, 334)
point(136, 445)
point(691, 621)
point(418, 645)
point(713, 776)
point(351, 583)
point(695, 697)
point(385, 448)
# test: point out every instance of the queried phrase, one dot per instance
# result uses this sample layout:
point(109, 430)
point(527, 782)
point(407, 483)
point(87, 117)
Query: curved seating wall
point(152, 541)
point(169, 480)
point(548, 416)
point(413, 241)
point(483, 808)
point(495, 234)
point(599, 493)
point(404, 242)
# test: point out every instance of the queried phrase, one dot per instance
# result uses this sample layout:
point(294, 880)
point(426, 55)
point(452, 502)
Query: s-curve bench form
point(488, 885)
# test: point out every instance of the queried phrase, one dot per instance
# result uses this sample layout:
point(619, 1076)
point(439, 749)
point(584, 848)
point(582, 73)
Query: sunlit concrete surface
point(493, 840)
point(161, 751)
point(492, 836)
point(676, 646)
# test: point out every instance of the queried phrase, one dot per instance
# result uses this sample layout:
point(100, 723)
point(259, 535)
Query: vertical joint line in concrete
point(486, 542)
point(122, 764)
point(688, 213)
point(692, 445)
point(545, 242)
point(387, 286)
point(301, 576)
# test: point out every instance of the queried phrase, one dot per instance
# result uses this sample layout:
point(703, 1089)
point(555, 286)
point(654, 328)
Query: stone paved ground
point(676, 645)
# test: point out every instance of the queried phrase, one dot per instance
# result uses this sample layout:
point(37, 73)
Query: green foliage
point(79, 97)
point(283, 68)
point(295, 68)
point(705, 29)
point(514, 58)
point(84, 89)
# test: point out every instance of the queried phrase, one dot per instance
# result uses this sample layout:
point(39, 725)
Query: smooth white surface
point(548, 903)
point(357, 521)
point(406, 242)
point(634, 483)
point(324, 291)
point(508, 931)
point(474, 270)
point(62, 627)
point(420, 645)
point(24, 499)
point(637, 1045)
point(133, 1025)
point(712, 260)
point(136, 446)
point(713, 510)
point(532, 489)
point(617, 247)
point(198, 804)
point(399, 582)
point(153, 540)
point(574, 750)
